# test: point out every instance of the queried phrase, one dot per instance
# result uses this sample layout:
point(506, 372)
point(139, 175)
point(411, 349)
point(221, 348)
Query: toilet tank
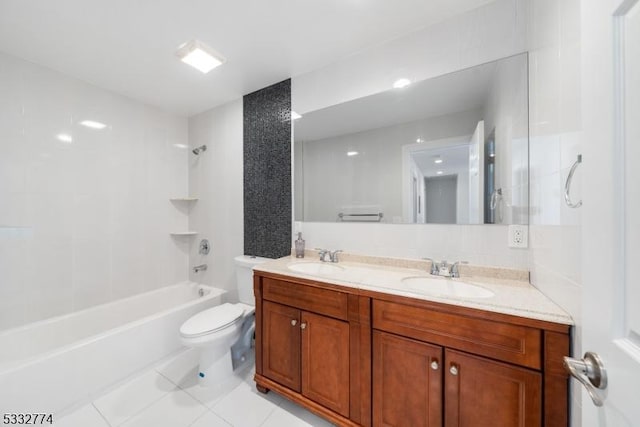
point(244, 276)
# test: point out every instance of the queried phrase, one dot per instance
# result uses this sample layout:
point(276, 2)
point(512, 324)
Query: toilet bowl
point(216, 330)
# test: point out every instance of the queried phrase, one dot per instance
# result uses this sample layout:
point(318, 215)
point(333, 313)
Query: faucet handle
point(454, 270)
point(333, 255)
point(434, 266)
point(322, 253)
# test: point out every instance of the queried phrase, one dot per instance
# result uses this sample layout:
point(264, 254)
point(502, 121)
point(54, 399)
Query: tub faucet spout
point(199, 268)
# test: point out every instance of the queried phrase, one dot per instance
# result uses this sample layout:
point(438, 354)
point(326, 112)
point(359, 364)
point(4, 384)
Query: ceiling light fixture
point(437, 161)
point(64, 137)
point(93, 124)
point(439, 172)
point(400, 83)
point(295, 116)
point(181, 146)
point(419, 140)
point(352, 153)
point(199, 56)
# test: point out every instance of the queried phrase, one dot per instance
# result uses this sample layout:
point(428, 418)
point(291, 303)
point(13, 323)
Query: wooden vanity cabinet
point(308, 353)
point(309, 344)
point(362, 358)
point(437, 365)
point(407, 382)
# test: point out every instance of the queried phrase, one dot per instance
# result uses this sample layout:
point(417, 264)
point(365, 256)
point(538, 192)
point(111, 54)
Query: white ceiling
point(455, 159)
point(128, 46)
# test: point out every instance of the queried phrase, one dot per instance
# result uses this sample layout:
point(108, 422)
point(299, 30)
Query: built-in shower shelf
point(184, 233)
point(184, 199)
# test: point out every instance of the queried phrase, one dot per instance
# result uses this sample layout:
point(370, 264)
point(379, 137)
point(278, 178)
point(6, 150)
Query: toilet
point(216, 330)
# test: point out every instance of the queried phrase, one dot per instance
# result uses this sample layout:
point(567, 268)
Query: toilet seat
point(212, 320)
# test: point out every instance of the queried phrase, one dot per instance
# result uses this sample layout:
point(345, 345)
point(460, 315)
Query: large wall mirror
point(448, 150)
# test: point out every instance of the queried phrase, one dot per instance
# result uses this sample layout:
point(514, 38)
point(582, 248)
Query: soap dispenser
point(299, 246)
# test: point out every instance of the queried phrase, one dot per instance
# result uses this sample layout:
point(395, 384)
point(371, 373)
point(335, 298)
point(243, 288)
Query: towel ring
point(567, 185)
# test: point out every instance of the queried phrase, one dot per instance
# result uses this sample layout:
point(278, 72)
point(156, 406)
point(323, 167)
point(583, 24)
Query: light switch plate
point(518, 236)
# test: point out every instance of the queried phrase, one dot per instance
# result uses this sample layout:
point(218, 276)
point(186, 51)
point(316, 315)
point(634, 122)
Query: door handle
point(590, 372)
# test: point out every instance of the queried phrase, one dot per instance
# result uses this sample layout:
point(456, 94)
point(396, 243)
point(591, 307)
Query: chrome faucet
point(322, 253)
point(434, 266)
point(444, 269)
point(333, 255)
point(199, 268)
point(455, 270)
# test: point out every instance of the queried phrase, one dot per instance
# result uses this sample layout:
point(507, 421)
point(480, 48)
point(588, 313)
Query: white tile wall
point(477, 244)
point(555, 129)
point(87, 221)
point(216, 177)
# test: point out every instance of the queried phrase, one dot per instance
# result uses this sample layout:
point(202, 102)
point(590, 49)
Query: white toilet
point(216, 329)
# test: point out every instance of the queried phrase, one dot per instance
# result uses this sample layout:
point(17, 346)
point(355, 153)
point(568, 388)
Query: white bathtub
point(49, 365)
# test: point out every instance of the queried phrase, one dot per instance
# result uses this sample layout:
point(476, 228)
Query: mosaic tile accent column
point(267, 171)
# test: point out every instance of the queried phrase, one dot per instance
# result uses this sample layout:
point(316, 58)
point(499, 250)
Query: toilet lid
point(211, 320)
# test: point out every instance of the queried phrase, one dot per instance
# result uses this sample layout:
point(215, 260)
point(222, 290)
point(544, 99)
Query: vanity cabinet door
point(407, 382)
point(281, 348)
point(325, 361)
point(480, 392)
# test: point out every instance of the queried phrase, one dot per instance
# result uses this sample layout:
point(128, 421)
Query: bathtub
point(49, 365)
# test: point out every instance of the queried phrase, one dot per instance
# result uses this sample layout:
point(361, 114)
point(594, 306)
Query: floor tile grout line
point(135, 414)
point(101, 414)
point(268, 416)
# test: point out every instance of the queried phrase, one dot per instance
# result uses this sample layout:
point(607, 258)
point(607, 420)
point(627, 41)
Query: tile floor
point(168, 395)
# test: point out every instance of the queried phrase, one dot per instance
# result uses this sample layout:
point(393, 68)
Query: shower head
point(197, 151)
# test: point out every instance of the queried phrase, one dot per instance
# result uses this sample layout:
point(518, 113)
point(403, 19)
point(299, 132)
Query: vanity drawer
point(308, 298)
point(503, 341)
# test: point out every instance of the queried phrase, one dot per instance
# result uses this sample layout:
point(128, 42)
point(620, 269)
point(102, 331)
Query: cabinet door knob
point(303, 325)
point(453, 369)
point(434, 365)
point(294, 322)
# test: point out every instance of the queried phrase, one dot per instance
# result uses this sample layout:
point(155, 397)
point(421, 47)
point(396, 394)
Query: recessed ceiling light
point(93, 124)
point(352, 153)
point(437, 161)
point(199, 56)
point(400, 83)
point(64, 137)
point(419, 140)
point(439, 172)
point(181, 146)
point(295, 116)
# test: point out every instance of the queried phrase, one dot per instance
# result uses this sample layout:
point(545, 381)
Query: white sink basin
point(319, 268)
point(445, 287)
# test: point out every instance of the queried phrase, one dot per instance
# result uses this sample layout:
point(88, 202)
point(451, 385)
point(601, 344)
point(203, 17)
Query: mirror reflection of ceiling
point(457, 92)
point(456, 159)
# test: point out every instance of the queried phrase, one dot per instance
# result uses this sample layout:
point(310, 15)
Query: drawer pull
point(294, 322)
point(434, 365)
point(303, 325)
point(453, 369)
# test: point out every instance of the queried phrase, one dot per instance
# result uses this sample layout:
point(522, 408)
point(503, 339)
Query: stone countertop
point(511, 296)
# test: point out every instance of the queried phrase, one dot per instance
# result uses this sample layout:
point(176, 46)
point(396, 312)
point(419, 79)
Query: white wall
point(333, 180)
point(216, 177)
point(555, 127)
point(490, 32)
point(478, 244)
point(87, 221)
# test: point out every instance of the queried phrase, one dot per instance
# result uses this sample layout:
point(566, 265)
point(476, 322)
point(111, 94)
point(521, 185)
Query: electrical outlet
point(518, 236)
